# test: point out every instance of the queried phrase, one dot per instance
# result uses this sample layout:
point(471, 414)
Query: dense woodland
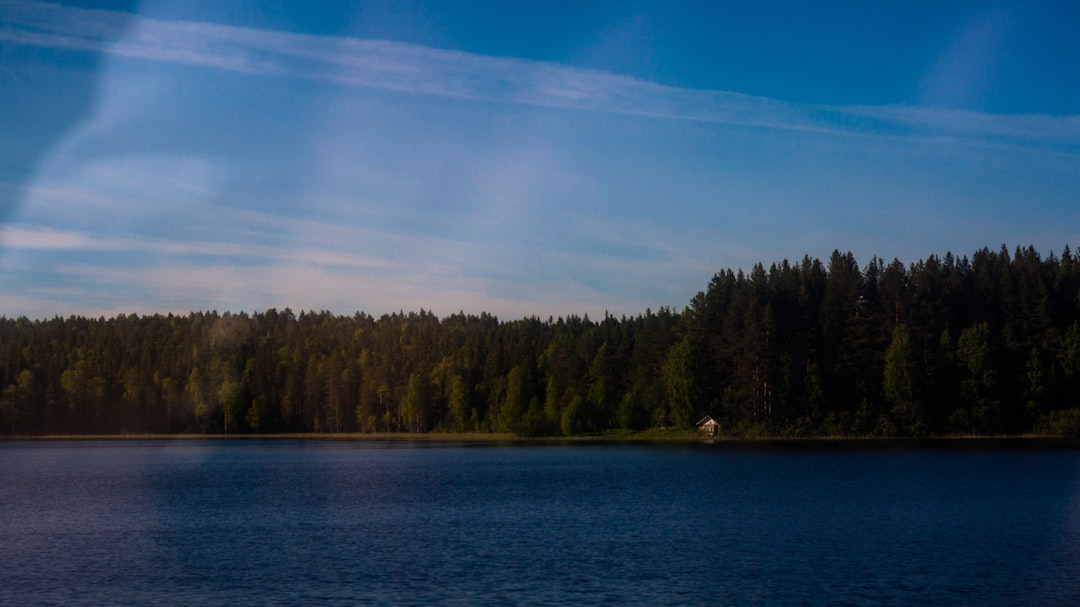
point(983, 345)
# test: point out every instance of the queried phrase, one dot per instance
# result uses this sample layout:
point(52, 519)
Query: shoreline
point(613, 439)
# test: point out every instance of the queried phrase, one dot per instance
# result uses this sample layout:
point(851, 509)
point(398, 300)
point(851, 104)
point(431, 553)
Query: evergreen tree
point(900, 382)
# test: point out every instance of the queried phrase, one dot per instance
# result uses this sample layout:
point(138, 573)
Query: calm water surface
point(339, 523)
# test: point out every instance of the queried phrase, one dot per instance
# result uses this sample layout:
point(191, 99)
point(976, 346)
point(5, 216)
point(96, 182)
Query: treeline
point(983, 345)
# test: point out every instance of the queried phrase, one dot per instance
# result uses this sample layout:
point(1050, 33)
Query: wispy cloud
point(38, 238)
point(381, 64)
point(181, 276)
point(513, 211)
point(31, 237)
point(1055, 131)
point(387, 65)
point(181, 287)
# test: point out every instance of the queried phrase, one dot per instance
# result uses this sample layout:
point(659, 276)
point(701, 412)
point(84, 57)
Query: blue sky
point(549, 159)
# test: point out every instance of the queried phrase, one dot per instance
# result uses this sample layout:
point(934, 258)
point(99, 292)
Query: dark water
point(338, 523)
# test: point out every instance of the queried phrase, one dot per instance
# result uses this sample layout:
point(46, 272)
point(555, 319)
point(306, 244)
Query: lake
point(283, 522)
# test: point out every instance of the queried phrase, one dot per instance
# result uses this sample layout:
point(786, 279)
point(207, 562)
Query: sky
point(520, 159)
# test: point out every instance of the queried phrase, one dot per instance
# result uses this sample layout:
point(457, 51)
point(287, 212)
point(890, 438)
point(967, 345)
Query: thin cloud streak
point(395, 66)
point(1052, 130)
point(47, 239)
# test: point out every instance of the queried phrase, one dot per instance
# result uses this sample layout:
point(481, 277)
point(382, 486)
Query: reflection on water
point(293, 522)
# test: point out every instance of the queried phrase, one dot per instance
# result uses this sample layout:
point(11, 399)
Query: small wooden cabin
point(709, 426)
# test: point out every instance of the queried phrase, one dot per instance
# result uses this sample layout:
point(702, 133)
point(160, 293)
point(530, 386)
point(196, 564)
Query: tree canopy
point(983, 345)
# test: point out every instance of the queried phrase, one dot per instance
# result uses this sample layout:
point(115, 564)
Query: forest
point(981, 345)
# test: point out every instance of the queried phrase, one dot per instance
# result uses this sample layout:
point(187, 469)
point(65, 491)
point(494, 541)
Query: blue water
point(340, 523)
